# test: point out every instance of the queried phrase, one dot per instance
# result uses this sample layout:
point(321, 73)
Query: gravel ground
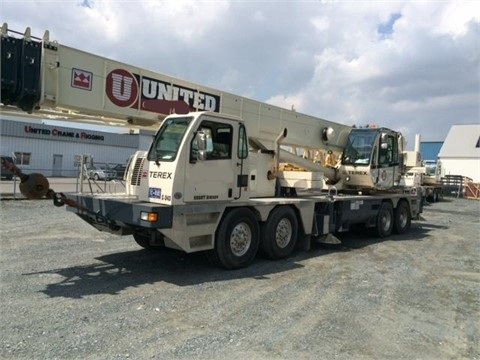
point(71, 292)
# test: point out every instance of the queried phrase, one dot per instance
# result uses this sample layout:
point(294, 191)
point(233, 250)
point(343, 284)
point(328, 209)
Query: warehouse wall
point(52, 149)
point(464, 167)
point(460, 152)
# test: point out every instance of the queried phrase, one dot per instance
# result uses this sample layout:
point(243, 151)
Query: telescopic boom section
point(47, 79)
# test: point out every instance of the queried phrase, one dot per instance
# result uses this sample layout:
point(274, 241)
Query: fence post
point(15, 188)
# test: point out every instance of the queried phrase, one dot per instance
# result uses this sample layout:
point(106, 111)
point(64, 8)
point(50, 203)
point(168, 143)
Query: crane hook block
point(34, 186)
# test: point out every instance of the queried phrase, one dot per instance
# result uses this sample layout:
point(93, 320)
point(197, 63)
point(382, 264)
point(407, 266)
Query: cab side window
point(219, 141)
point(222, 144)
point(388, 154)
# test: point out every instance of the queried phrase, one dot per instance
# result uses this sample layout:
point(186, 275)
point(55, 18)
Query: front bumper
point(121, 211)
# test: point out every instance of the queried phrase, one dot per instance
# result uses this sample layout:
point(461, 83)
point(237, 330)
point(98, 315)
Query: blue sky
point(409, 65)
point(386, 28)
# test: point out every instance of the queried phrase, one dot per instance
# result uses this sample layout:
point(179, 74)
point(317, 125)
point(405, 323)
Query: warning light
point(148, 216)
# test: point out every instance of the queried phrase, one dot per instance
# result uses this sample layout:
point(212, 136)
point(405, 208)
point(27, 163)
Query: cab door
point(387, 168)
point(214, 178)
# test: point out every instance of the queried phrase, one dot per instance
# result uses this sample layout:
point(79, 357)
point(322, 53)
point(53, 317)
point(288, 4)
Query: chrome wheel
point(403, 218)
point(283, 233)
point(280, 232)
point(240, 239)
point(385, 219)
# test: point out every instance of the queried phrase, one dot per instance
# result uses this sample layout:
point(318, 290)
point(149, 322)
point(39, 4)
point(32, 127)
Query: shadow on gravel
point(112, 273)
point(361, 237)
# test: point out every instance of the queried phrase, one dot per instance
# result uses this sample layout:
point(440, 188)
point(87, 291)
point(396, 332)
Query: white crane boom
point(46, 78)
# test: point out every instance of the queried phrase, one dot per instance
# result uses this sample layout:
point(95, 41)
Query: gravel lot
point(71, 292)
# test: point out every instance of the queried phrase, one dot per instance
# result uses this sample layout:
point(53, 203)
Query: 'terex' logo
point(125, 89)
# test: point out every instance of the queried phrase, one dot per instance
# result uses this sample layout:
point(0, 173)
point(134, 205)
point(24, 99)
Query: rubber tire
point(403, 218)
point(96, 177)
point(385, 220)
point(223, 255)
point(144, 242)
point(270, 246)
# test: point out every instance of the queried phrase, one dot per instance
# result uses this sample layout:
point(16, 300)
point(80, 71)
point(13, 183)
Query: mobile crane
point(214, 178)
point(425, 175)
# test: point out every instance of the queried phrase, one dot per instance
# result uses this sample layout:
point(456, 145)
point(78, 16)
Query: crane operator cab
point(372, 159)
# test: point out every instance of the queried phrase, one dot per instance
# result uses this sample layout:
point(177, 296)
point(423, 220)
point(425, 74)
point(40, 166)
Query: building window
point(478, 143)
point(22, 158)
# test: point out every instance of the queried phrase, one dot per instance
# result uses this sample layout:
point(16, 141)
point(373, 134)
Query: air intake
point(137, 171)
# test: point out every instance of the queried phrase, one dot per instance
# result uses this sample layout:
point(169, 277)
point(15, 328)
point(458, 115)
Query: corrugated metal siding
point(71, 135)
point(44, 143)
point(430, 149)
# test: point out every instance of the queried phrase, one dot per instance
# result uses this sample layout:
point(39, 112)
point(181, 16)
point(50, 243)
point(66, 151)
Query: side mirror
point(383, 138)
point(201, 139)
point(327, 134)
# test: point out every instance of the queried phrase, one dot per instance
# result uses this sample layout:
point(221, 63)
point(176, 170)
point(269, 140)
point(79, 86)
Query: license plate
point(155, 193)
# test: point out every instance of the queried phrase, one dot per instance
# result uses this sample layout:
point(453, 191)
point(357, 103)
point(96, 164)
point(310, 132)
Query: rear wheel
point(96, 177)
point(385, 220)
point(236, 240)
point(280, 233)
point(403, 218)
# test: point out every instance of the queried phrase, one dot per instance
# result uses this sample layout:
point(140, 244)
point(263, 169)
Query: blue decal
point(154, 193)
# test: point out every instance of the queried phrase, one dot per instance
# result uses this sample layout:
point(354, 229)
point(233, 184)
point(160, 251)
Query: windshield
point(430, 168)
point(168, 139)
point(359, 148)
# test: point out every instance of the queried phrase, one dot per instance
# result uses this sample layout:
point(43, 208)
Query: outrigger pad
point(329, 239)
point(34, 186)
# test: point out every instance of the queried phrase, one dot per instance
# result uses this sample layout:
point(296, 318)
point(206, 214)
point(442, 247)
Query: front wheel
point(236, 240)
point(144, 241)
point(280, 233)
point(385, 220)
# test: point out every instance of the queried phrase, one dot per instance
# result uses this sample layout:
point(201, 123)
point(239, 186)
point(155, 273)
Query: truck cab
point(196, 158)
point(372, 159)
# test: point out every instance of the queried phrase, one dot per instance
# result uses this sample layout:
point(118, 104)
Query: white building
point(50, 150)
point(460, 153)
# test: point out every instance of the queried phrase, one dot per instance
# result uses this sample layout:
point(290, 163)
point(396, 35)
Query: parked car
point(101, 172)
point(119, 170)
point(4, 173)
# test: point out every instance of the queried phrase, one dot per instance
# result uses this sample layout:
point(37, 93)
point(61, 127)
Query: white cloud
point(258, 16)
point(455, 17)
point(327, 58)
point(320, 23)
